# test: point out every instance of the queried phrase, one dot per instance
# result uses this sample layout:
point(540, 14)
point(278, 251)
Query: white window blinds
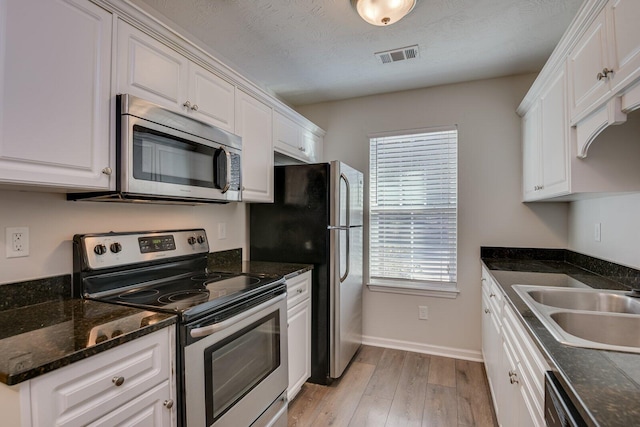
point(413, 206)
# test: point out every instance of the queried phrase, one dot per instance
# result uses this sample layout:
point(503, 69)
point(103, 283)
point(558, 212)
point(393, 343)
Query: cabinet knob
point(299, 291)
point(513, 379)
point(492, 295)
point(187, 104)
point(194, 107)
point(107, 171)
point(118, 381)
point(604, 74)
point(486, 311)
point(168, 404)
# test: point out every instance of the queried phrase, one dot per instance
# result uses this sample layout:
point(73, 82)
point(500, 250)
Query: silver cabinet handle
point(187, 104)
point(487, 311)
point(211, 329)
point(118, 381)
point(299, 291)
point(492, 295)
point(194, 107)
point(168, 404)
point(604, 74)
point(107, 171)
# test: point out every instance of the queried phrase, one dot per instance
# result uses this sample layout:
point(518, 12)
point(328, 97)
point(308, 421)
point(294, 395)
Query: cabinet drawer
point(298, 289)
point(81, 393)
point(528, 355)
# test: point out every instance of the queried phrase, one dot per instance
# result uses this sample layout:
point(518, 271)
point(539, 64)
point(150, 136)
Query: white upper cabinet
point(150, 70)
point(624, 35)
point(254, 124)
point(589, 68)
point(545, 143)
point(55, 81)
point(291, 139)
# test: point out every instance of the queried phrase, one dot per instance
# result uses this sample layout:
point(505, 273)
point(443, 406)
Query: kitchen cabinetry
point(299, 323)
point(515, 367)
point(134, 381)
point(254, 123)
point(545, 143)
point(55, 85)
point(293, 140)
point(150, 70)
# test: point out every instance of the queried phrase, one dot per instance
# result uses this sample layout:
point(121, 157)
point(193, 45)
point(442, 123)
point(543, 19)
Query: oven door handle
point(217, 327)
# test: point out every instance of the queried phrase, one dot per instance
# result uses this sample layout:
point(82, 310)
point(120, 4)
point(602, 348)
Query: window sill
point(448, 290)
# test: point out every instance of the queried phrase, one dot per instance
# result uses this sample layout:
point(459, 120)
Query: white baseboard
point(455, 353)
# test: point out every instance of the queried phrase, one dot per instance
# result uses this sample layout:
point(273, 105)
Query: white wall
point(490, 208)
point(52, 222)
point(619, 217)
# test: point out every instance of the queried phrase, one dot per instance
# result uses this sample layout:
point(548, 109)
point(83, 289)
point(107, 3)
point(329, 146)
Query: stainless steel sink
point(589, 300)
point(590, 318)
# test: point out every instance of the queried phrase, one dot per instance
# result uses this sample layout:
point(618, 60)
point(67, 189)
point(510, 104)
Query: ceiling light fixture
point(383, 12)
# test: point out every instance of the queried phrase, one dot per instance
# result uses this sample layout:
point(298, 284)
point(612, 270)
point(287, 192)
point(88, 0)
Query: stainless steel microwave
point(167, 157)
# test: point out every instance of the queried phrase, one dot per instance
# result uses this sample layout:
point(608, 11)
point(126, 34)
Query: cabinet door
point(585, 61)
point(254, 125)
point(492, 352)
point(287, 136)
point(211, 98)
point(299, 323)
point(154, 408)
point(55, 86)
point(148, 69)
point(554, 138)
point(624, 37)
point(83, 392)
point(531, 153)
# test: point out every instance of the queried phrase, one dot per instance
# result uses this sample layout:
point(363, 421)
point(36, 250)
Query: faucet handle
point(635, 293)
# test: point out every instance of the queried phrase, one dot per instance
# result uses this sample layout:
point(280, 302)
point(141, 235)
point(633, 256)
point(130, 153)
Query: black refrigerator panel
point(294, 229)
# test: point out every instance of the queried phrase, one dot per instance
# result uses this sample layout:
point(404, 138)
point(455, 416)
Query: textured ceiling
point(308, 51)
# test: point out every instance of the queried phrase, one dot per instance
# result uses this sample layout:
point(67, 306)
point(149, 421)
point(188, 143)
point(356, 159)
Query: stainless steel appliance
point(232, 341)
point(165, 157)
point(558, 409)
point(317, 218)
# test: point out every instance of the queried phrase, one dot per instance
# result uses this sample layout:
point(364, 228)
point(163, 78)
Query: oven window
point(165, 158)
point(234, 366)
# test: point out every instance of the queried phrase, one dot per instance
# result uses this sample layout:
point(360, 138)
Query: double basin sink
point(590, 318)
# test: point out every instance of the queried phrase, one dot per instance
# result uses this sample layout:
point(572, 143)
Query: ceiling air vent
point(395, 55)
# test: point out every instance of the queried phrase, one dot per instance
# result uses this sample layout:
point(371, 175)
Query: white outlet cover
point(23, 250)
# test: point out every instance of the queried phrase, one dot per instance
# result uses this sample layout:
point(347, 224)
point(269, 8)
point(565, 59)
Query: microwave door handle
point(224, 188)
point(217, 327)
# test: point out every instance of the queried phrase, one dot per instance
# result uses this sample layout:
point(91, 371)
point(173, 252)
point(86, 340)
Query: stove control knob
point(201, 239)
point(191, 240)
point(115, 247)
point(100, 249)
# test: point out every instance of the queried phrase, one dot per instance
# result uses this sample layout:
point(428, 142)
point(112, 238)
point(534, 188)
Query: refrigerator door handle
point(346, 271)
point(337, 227)
point(348, 197)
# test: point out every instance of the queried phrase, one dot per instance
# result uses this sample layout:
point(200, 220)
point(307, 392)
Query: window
point(413, 210)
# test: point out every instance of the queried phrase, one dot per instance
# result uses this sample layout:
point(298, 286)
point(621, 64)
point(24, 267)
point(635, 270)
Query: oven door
point(238, 367)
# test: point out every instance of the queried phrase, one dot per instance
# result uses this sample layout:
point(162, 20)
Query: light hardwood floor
point(385, 387)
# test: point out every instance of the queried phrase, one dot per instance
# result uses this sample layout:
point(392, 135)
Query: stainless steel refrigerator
point(317, 218)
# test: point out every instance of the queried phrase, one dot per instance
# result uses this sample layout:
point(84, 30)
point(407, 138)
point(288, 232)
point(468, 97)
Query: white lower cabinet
point(299, 330)
point(515, 367)
point(132, 384)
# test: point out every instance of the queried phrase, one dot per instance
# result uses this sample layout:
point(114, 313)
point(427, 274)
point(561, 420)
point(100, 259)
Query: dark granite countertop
point(39, 338)
point(603, 385)
point(231, 261)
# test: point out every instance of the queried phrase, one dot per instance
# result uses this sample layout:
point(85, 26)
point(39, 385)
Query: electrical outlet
point(597, 232)
point(222, 230)
point(17, 242)
point(423, 312)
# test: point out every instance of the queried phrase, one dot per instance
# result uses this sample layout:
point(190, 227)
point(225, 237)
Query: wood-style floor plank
point(473, 400)
point(346, 393)
point(306, 406)
point(387, 374)
point(440, 407)
point(371, 412)
point(408, 401)
point(390, 388)
point(442, 371)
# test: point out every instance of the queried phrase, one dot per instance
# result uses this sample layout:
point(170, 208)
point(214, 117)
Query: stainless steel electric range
point(232, 341)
